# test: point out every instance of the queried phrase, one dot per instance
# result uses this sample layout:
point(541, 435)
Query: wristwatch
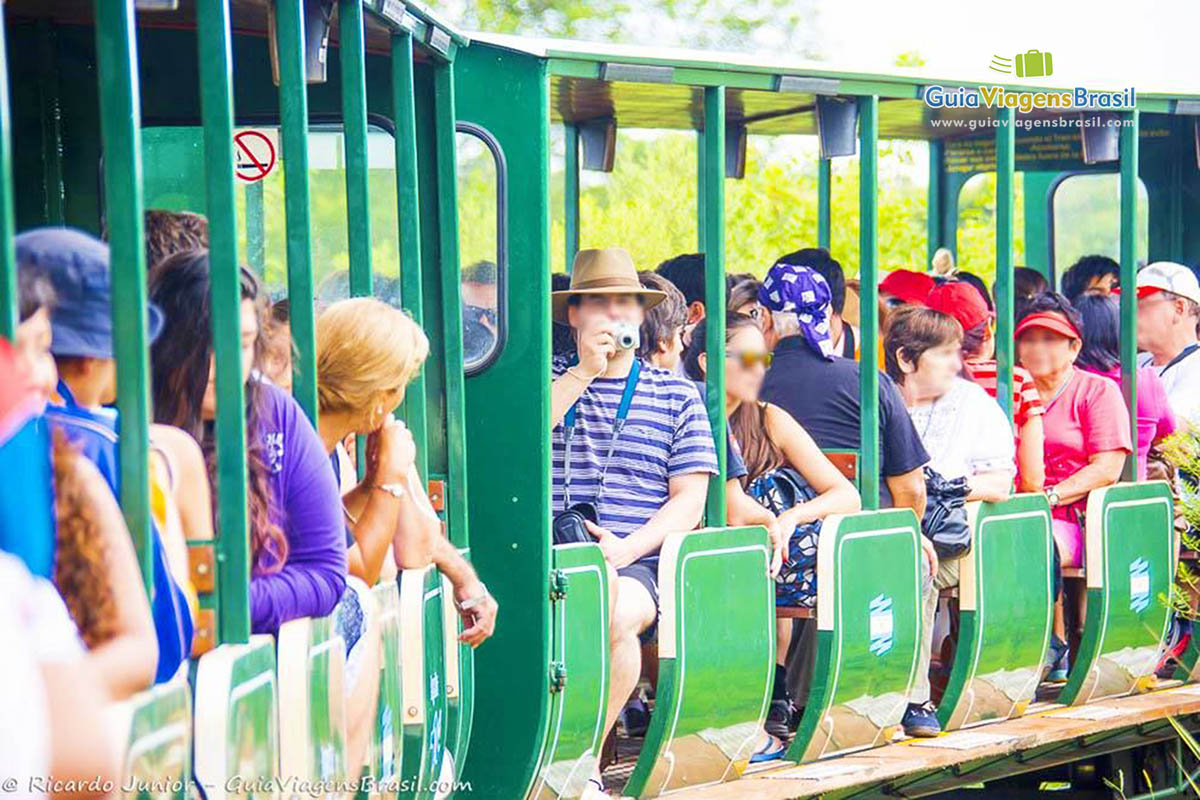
point(1052, 496)
point(396, 490)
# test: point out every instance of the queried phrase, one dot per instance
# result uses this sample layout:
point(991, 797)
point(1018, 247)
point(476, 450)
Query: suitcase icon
point(1034, 64)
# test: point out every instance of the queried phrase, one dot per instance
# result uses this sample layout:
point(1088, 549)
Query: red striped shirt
point(1026, 402)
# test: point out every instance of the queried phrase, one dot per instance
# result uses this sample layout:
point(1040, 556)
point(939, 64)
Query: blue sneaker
point(1059, 661)
point(773, 749)
point(920, 720)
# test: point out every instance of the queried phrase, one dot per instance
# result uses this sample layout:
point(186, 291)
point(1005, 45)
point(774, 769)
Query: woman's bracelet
point(572, 372)
point(471, 602)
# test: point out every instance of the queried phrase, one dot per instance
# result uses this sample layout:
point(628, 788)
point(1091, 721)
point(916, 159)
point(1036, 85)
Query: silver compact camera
point(626, 335)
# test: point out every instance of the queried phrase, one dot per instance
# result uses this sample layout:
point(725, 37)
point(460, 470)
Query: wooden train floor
point(1045, 724)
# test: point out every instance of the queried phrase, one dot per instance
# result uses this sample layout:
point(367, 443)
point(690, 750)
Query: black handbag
point(568, 527)
point(945, 521)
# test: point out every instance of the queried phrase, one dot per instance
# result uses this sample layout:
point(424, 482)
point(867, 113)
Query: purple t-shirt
point(307, 506)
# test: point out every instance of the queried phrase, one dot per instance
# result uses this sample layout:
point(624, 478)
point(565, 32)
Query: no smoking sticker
point(253, 154)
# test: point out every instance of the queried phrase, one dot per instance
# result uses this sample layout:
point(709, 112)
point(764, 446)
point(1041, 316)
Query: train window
point(173, 167)
point(976, 235)
point(482, 245)
point(1087, 219)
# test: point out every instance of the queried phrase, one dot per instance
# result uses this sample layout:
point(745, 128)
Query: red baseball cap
point(1053, 321)
point(909, 286)
point(960, 300)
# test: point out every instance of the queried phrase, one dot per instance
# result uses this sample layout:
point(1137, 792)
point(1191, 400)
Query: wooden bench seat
point(788, 612)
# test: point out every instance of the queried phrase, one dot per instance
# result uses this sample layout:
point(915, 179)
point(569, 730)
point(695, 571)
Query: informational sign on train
point(254, 153)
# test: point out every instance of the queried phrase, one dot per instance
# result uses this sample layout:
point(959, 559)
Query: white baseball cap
point(1167, 276)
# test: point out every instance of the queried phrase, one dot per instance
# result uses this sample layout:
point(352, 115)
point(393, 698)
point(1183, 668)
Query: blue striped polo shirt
point(666, 434)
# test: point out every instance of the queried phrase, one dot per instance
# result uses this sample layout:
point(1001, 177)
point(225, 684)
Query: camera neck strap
point(635, 370)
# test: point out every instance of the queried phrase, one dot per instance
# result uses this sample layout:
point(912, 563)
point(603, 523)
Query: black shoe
point(781, 719)
point(635, 717)
point(920, 720)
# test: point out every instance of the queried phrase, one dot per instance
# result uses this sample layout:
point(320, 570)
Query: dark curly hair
point(80, 568)
point(1052, 301)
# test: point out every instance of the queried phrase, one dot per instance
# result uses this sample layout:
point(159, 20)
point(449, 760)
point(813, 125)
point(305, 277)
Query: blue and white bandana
point(803, 291)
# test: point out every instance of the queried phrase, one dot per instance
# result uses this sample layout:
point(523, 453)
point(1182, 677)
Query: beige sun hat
point(606, 271)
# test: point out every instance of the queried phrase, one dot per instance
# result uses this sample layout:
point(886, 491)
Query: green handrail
point(868, 275)
point(121, 140)
point(824, 201)
point(700, 201)
point(352, 46)
point(571, 192)
point(354, 124)
point(8, 268)
point(1005, 183)
point(933, 217)
point(293, 108)
point(1128, 144)
point(712, 189)
point(408, 213)
point(216, 112)
point(447, 205)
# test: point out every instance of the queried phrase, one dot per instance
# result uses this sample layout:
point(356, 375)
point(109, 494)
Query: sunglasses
point(748, 358)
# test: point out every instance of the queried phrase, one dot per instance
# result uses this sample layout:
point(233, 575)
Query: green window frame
point(474, 364)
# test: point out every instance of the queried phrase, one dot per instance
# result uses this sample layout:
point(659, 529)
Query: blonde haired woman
point(367, 353)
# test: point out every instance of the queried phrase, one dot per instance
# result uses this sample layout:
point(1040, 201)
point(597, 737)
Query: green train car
point(326, 142)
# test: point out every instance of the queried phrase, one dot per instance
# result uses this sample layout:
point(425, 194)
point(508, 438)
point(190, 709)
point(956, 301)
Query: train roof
point(431, 31)
point(661, 87)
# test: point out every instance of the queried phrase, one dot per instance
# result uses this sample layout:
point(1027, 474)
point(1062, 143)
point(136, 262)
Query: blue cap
point(77, 264)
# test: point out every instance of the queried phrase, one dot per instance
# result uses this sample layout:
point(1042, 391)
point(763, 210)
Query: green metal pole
point(256, 232)
point(1129, 217)
point(447, 204)
point(824, 201)
point(352, 47)
point(216, 109)
point(409, 215)
point(1005, 203)
point(700, 199)
point(868, 274)
point(937, 183)
point(354, 122)
point(571, 193)
point(712, 189)
point(293, 107)
point(121, 139)
point(8, 265)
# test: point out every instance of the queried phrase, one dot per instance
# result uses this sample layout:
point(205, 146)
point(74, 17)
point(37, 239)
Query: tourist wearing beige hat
point(635, 477)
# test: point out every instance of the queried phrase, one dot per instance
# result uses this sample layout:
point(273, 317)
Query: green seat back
point(236, 719)
point(716, 648)
point(579, 663)
point(1131, 556)
point(1006, 591)
point(869, 576)
point(422, 655)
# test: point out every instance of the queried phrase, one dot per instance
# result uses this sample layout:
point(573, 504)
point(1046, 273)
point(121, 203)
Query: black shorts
point(645, 573)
